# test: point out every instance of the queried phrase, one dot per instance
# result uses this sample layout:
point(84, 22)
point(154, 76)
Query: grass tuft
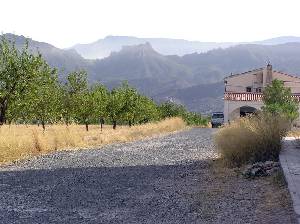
point(251, 139)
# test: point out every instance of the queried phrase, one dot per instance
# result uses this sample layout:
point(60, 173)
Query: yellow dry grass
point(294, 133)
point(21, 141)
point(251, 139)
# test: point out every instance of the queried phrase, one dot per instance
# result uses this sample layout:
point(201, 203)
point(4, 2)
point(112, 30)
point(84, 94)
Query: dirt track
point(169, 179)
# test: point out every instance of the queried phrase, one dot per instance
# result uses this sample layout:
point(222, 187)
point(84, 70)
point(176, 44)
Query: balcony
point(235, 96)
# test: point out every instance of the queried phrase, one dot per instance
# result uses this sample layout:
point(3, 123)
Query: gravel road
point(169, 179)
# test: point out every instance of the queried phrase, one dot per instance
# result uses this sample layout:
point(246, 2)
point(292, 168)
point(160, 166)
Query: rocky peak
point(146, 47)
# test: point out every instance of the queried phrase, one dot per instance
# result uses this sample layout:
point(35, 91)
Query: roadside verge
point(290, 163)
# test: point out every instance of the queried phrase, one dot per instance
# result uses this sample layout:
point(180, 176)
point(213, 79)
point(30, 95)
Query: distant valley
point(195, 80)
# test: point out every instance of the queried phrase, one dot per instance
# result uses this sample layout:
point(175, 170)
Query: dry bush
point(251, 139)
point(21, 141)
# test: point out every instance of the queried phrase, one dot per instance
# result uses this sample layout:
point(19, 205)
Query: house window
point(258, 90)
point(248, 89)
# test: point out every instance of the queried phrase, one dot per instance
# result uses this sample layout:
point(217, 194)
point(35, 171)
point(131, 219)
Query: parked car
point(217, 119)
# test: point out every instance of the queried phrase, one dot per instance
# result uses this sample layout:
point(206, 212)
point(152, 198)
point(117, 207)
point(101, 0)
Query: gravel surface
point(169, 179)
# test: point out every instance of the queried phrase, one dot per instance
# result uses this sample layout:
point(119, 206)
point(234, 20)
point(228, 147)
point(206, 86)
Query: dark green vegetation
point(194, 80)
point(258, 137)
point(278, 100)
point(169, 109)
point(31, 92)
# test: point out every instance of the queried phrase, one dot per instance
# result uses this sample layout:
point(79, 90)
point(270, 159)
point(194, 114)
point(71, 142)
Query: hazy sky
point(66, 22)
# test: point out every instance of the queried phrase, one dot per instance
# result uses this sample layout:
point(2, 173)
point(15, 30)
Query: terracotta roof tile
point(244, 73)
point(293, 76)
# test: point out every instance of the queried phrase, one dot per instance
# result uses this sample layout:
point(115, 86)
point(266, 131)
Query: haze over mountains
point(103, 47)
point(166, 46)
point(194, 80)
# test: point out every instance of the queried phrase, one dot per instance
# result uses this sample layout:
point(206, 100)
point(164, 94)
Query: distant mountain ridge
point(279, 40)
point(143, 67)
point(166, 46)
point(195, 80)
point(65, 60)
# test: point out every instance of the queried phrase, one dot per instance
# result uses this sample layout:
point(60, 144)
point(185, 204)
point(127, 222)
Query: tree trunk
point(86, 126)
point(3, 112)
point(114, 124)
point(43, 125)
point(67, 122)
point(101, 123)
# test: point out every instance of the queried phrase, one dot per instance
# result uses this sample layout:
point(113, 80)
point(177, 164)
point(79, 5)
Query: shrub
point(278, 99)
point(251, 139)
point(171, 109)
point(195, 119)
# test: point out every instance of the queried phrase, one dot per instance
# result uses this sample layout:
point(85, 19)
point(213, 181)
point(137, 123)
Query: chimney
point(267, 75)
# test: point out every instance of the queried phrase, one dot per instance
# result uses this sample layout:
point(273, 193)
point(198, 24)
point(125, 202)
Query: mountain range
point(104, 47)
point(194, 80)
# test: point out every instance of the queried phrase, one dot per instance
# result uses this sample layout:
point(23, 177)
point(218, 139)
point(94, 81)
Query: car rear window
point(218, 116)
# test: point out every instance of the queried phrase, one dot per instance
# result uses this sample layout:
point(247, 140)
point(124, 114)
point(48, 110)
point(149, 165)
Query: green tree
point(131, 103)
point(116, 106)
point(146, 110)
point(80, 99)
point(279, 100)
point(71, 92)
point(170, 109)
point(193, 118)
point(19, 71)
point(100, 96)
point(43, 101)
point(66, 103)
point(84, 111)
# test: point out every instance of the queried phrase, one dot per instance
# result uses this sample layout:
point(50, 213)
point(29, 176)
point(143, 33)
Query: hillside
point(65, 60)
point(214, 65)
point(143, 67)
point(204, 98)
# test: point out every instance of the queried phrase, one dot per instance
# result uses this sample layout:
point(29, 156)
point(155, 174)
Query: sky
point(64, 23)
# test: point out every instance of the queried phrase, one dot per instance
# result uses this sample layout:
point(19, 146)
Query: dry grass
point(20, 141)
point(251, 139)
point(294, 133)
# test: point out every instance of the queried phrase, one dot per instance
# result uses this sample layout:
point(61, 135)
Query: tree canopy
point(278, 99)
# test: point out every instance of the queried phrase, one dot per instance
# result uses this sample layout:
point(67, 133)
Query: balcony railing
point(234, 96)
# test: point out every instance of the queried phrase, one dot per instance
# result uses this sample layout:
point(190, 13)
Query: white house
point(243, 92)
